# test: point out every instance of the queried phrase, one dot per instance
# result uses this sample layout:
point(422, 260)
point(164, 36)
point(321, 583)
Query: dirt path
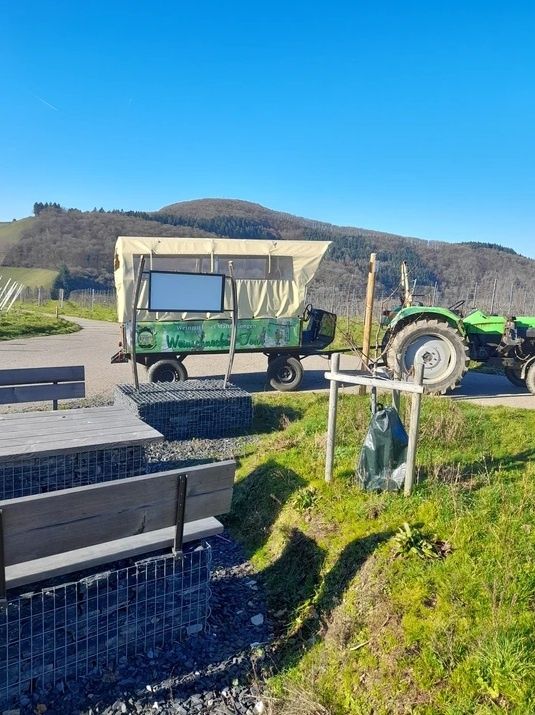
point(98, 341)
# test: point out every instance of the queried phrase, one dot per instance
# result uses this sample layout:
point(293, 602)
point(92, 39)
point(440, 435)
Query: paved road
point(98, 341)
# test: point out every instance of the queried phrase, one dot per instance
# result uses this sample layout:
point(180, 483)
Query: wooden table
point(48, 450)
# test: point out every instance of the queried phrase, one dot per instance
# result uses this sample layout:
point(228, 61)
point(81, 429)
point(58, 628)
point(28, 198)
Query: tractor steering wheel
point(306, 313)
point(455, 307)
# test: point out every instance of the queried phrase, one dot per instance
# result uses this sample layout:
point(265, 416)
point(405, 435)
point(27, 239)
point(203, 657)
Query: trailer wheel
point(513, 375)
point(530, 378)
point(444, 351)
point(167, 371)
point(285, 373)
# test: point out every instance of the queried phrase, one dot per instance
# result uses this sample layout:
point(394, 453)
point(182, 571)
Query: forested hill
point(83, 241)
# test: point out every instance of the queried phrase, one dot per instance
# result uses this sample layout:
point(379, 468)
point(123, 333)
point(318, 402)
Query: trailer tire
point(167, 371)
point(446, 353)
point(530, 378)
point(285, 373)
point(513, 375)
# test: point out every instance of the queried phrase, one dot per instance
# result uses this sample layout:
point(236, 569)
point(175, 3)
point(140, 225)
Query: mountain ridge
point(83, 241)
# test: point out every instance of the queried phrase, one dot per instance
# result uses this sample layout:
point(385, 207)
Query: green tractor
point(447, 340)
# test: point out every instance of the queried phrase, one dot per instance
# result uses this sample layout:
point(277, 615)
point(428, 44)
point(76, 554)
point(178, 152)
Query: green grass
point(27, 322)
point(99, 312)
point(29, 277)
point(362, 629)
point(10, 232)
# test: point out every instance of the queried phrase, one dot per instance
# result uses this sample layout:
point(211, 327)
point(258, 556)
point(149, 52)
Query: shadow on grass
point(296, 588)
point(258, 500)
point(271, 418)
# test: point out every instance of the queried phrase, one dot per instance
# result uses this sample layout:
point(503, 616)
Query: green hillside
point(84, 242)
point(11, 232)
point(29, 277)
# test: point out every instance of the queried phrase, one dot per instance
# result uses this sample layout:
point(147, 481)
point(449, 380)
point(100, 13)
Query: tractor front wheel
point(442, 348)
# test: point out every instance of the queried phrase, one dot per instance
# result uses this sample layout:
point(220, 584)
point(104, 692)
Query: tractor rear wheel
point(443, 349)
point(513, 375)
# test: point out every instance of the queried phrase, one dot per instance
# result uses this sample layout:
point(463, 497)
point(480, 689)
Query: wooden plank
point(63, 433)
point(65, 427)
point(72, 412)
point(138, 545)
point(365, 379)
point(45, 524)
point(35, 375)
point(58, 448)
point(74, 415)
point(66, 421)
point(39, 393)
point(81, 439)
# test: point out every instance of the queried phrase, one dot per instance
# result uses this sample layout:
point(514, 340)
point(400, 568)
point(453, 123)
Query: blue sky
point(411, 117)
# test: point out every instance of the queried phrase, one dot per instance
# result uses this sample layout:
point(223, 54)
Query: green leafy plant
point(305, 499)
point(412, 540)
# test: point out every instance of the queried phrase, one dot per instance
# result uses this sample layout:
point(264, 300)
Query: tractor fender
point(416, 312)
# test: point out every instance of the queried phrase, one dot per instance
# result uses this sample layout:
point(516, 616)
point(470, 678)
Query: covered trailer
point(271, 280)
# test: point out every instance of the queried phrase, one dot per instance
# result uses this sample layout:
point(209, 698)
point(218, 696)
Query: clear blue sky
point(411, 117)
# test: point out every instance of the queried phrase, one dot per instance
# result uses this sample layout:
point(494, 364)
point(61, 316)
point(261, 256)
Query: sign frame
point(175, 309)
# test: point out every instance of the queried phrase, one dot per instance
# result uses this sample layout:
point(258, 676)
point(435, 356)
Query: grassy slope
point(10, 232)
point(30, 277)
point(99, 312)
point(364, 631)
point(26, 322)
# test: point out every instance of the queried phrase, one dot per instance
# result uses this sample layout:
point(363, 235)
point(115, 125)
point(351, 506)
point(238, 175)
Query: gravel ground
point(213, 672)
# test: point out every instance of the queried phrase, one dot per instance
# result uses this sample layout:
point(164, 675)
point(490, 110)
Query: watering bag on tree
point(383, 457)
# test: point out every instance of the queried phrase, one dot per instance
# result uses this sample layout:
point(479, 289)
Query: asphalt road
point(98, 341)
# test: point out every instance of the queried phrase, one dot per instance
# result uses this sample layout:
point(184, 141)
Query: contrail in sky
point(45, 102)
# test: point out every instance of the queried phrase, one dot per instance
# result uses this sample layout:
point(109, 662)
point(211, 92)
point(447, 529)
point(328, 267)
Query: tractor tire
point(443, 349)
point(285, 373)
point(513, 375)
point(167, 371)
point(530, 378)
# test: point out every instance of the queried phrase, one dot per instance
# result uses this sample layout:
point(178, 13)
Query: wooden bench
point(39, 384)
point(60, 532)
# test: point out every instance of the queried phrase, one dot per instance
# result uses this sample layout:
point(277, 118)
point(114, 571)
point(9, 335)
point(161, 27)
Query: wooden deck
point(36, 434)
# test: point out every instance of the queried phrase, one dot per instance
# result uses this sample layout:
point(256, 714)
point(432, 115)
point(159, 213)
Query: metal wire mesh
point(194, 408)
point(79, 628)
point(24, 476)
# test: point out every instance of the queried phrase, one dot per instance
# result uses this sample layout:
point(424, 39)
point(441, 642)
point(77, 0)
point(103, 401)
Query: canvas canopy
point(271, 276)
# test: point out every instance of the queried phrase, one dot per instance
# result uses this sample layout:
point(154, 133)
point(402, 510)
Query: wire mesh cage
point(36, 475)
point(194, 408)
point(84, 627)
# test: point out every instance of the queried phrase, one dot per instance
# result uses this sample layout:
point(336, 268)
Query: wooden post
point(368, 316)
point(413, 429)
point(396, 404)
point(137, 291)
point(331, 420)
point(493, 299)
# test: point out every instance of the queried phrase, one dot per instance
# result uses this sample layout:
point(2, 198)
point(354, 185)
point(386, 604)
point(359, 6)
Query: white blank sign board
point(181, 292)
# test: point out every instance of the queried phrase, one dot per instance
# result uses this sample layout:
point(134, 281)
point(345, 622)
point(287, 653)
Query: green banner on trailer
point(214, 335)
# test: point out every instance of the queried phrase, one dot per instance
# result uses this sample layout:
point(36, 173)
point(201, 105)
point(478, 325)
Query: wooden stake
point(413, 429)
point(331, 419)
point(368, 316)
